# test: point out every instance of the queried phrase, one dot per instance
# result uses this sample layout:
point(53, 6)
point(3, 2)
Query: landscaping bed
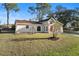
point(24, 39)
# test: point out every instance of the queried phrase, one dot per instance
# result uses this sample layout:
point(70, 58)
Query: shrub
point(76, 29)
point(13, 27)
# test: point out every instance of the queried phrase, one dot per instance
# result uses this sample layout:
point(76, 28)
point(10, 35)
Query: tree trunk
point(7, 18)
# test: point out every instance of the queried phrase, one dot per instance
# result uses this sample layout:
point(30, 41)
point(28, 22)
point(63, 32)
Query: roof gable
point(55, 21)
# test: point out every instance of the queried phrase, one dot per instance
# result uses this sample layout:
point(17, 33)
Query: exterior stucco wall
point(45, 27)
point(59, 30)
point(35, 27)
point(22, 29)
point(45, 24)
point(32, 28)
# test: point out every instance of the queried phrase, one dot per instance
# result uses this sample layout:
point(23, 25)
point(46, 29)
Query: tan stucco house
point(43, 26)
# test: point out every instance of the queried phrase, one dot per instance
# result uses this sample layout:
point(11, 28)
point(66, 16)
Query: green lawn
point(68, 45)
point(37, 35)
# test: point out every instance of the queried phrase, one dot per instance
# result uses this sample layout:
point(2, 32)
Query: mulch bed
point(24, 39)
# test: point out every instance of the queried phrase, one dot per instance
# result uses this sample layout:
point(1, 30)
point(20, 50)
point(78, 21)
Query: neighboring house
point(69, 24)
point(43, 26)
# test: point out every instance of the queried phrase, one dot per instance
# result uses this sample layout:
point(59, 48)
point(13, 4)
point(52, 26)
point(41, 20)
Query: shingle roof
point(44, 20)
point(25, 21)
point(35, 22)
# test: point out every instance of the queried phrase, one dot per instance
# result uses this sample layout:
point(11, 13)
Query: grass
point(38, 35)
point(67, 46)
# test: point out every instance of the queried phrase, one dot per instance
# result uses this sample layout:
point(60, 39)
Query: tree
point(65, 15)
point(10, 7)
point(60, 8)
point(40, 10)
point(58, 12)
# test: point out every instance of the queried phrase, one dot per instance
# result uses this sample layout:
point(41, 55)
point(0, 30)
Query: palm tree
point(10, 7)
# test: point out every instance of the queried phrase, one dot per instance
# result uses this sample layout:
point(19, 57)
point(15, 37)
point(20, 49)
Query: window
point(46, 28)
point(38, 28)
point(27, 26)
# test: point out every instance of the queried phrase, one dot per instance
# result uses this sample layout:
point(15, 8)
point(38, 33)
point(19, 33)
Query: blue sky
point(23, 14)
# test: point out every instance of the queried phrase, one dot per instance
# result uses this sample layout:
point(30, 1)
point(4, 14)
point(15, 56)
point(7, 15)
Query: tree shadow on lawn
point(30, 39)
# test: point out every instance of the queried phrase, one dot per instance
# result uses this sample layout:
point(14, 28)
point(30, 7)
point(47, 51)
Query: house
point(43, 26)
point(69, 24)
